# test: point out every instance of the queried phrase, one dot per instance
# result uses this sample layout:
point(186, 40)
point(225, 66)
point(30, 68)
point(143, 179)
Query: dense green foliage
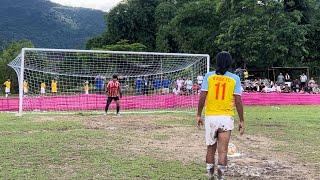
point(6, 56)
point(258, 33)
point(48, 24)
point(124, 45)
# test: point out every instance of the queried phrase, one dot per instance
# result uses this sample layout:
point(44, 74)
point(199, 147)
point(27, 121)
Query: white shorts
point(215, 123)
point(7, 90)
point(43, 91)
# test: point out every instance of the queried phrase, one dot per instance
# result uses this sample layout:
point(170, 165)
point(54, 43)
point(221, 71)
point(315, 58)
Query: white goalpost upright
point(74, 80)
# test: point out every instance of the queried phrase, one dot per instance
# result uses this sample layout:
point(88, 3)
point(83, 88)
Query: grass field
point(281, 143)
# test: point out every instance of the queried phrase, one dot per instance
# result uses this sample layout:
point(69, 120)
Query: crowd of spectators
point(283, 84)
point(164, 85)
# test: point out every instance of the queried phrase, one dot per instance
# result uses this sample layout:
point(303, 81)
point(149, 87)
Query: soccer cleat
point(210, 171)
point(221, 170)
point(211, 176)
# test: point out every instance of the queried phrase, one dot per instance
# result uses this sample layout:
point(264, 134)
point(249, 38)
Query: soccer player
point(99, 82)
point(219, 90)
point(86, 87)
point(165, 85)
point(25, 87)
point(54, 86)
point(113, 90)
point(7, 86)
point(42, 88)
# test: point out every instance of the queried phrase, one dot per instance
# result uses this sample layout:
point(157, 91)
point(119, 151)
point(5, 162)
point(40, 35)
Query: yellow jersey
point(86, 87)
point(54, 87)
point(25, 86)
point(221, 89)
point(7, 84)
point(246, 74)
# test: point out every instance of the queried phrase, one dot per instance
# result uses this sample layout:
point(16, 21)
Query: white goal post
point(68, 79)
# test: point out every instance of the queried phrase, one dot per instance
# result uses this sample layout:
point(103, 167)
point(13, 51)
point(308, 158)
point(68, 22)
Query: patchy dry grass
point(279, 144)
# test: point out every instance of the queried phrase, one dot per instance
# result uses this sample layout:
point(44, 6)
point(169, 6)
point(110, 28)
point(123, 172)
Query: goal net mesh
point(73, 80)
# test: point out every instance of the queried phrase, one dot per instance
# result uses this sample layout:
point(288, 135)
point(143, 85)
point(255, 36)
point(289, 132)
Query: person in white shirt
point(189, 84)
point(303, 80)
point(180, 83)
point(200, 79)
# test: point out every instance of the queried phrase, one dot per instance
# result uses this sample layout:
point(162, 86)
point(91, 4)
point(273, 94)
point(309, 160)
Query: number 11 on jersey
point(218, 86)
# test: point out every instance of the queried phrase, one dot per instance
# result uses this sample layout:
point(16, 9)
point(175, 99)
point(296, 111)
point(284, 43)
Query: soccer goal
point(74, 80)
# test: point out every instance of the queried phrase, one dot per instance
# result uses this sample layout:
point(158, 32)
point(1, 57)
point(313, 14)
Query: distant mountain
point(48, 24)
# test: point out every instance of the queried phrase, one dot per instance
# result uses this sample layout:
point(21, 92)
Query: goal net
point(74, 80)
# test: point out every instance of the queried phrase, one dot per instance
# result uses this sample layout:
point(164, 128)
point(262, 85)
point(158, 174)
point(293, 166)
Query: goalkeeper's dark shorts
point(113, 98)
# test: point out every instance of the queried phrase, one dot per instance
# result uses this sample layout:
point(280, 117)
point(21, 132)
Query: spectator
point(311, 82)
point(316, 89)
point(280, 79)
point(99, 82)
point(200, 80)
point(180, 83)
point(196, 88)
point(86, 87)
point(165, 85)
point(188, 84)
point(54, 86)
point(138, 85)
point(145, 86)
point(25, 87)
point(7, 86)
point(175, 89)
point(278, 88)
point(42, 88)
point(295, 85)
point(303, 80)
point(245, 74)
point(286, 89)
point(287, 77)
point(238, 72)
point(157, 85)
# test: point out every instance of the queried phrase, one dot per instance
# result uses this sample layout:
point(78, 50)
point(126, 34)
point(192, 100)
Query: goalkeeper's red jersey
point(113, 89)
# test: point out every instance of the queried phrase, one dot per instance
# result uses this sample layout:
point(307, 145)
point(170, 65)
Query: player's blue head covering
point(224, 62)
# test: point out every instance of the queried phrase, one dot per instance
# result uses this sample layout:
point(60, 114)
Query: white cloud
point(103, 5)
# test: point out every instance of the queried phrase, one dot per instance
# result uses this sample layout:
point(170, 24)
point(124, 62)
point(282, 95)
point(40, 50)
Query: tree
point(195, 27)
point(6, 56)
point(263, 36)
point(132, 20)
point(124, 45)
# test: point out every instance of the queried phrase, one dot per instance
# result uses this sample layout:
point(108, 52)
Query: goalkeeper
point(113, 90)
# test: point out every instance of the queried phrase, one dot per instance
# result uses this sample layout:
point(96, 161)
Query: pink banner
point(97, 102)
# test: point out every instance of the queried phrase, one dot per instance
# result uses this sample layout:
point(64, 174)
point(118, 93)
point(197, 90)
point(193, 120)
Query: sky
point(103, 5)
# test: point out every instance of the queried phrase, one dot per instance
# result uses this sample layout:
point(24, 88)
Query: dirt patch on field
point(185, 143)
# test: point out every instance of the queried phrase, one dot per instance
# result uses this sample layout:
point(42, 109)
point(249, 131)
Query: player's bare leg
point(223, 141)
point(211, 151)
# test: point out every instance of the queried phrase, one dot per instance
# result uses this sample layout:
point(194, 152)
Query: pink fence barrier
point(94, 101)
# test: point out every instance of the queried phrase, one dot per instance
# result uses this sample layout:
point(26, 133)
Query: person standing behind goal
point(7, 86)
point(113, 90)
point(219, 90)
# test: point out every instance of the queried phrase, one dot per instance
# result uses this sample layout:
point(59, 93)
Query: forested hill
point(48, 24)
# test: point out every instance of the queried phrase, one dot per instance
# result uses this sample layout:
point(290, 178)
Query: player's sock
point(210, 169)
point(106, 108)
point(6, 95)
point(118, 109)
